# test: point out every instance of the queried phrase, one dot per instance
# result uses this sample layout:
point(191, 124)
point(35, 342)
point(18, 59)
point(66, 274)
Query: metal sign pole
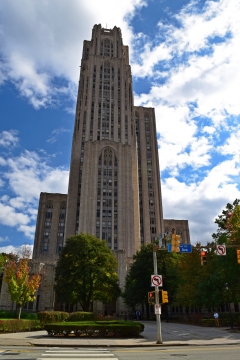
point(158, 316)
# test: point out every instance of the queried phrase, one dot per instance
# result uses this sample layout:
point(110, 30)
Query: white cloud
point(44, 41)
point(2, 161)
point(201, 202)
point(208, 129)
point(27, 176)
point(232, 145)
point(18, 250)
point(4, 239)
point(28, 231)
point(17, 202)
point(8, 139)
point(9, 217)
point(55, 134)
point(209, 73)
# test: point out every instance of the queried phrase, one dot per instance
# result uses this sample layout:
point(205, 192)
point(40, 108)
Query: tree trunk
point(19, 312)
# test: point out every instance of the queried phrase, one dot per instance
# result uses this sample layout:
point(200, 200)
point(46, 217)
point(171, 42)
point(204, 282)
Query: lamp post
point(229, 306)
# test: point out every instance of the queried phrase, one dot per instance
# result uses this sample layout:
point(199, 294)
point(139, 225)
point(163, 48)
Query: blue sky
point(185, 59)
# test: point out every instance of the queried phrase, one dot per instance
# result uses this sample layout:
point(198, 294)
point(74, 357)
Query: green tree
point(189, 273)
point(22, 285)
point(227, 268)
point(86, 271)
point(138, 279)
point(233, 226)
point(226, 225)
point(2, 265)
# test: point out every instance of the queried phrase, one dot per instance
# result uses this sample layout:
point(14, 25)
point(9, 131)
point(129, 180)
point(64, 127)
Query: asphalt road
point(229, 352)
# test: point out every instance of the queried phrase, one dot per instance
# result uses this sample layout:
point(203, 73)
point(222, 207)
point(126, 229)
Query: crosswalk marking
point(82, 351)
point(78, 352)
point(80, 355)
point(73, 354)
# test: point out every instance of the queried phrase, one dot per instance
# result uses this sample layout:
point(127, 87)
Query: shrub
point(12, 314)
point(81, 316)
point(52, 316)
point(11, 326)
point(109, 322)
point(120, 329)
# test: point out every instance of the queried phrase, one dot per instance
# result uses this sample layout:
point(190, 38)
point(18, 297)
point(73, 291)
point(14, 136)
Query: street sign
point(156, 280)
point(157, 309)
point(221, 250)
point(184, 248)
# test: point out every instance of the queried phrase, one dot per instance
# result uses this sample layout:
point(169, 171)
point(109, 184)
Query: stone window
point(106, 216)
point(61, 227)
point(47, 227)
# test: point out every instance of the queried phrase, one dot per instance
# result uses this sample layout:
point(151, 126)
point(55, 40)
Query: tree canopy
point(138, 279)
point(86, 271)
point(188, 282)
point(22, 285)
point(208, 285)
point(228, 224)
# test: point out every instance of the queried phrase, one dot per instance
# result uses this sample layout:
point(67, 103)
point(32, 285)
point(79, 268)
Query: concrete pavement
point(172, 335)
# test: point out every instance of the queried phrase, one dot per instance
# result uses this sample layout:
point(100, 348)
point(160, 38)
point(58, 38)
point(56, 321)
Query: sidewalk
point(172, 335)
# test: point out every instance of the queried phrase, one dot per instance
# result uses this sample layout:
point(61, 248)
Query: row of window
point(47, 227)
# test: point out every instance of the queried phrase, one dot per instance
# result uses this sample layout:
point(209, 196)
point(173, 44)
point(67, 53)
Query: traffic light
point(203, 257)
point(151, 297)
point(175, 243)
point(164, 297)
point(238, 256)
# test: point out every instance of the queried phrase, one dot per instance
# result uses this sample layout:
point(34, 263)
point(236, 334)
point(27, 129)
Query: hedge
point(52, 316)
point(82, 316)
point(12, 314)
point(12, 326)
point(222, 322)
point(118, 329)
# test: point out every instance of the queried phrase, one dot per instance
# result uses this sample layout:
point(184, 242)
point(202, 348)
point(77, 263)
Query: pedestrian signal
point(203, 257)
point(151, 297)
point(238, 256)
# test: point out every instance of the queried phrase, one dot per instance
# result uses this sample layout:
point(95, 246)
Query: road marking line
point(70, 358)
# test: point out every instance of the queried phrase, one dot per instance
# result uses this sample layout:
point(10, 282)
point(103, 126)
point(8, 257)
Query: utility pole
point(158, 316)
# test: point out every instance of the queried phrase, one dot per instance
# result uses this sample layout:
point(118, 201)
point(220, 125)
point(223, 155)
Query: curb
point(166, 344)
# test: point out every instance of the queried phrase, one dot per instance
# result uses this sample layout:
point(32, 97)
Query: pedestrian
point(216, 317)
point(138, 314)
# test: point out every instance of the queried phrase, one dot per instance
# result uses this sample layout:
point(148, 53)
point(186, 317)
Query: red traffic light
point(203, 253)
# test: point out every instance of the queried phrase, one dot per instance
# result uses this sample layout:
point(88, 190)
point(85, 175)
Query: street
point(229, 352)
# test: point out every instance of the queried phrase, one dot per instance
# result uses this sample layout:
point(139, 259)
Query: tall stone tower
point(108, 163)
point(114, 183)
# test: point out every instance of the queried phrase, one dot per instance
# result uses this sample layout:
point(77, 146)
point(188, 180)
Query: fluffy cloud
point(8, 139)
point(27, 176)
point(16, 250)
point(195, 95)
point(55, 134)
point(4, 239)
point(53, 31)
point(202, 201)
point(204, 71)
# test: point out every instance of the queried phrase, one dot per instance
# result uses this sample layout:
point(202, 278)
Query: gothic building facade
point(114, 182)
